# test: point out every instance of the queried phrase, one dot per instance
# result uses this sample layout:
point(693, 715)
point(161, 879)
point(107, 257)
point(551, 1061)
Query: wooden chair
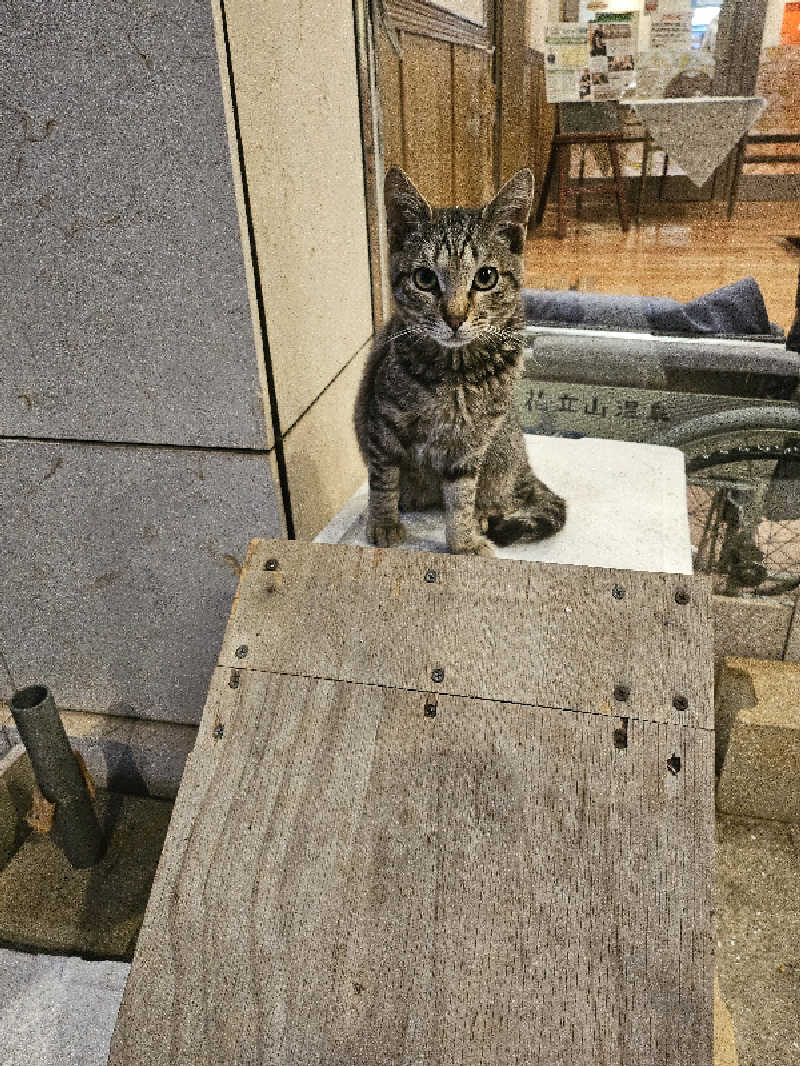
point(584, 124)
point(742, 157)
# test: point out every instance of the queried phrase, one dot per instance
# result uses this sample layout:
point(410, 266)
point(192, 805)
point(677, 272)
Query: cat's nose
point(454, 318)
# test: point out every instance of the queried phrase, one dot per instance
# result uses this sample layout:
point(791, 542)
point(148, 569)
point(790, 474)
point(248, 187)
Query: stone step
point(757, 711)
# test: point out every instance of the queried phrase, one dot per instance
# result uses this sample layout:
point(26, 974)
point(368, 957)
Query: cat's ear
point(508, 213)
point(405, 208)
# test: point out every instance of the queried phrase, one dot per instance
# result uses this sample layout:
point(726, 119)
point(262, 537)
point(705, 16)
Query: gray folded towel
point(734, 310)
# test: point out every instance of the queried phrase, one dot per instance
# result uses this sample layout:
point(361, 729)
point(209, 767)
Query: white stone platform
point(626, 508)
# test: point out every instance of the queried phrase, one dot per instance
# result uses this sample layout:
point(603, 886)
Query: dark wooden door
point(463, 102)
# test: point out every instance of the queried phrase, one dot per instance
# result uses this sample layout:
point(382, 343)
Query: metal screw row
point(681, 595)
point(622, 695)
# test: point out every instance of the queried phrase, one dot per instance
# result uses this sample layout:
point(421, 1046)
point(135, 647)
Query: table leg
point(613, 151)
point(737, 173)
point(563, 185)
point(643, 178)
point(662, 183)
point(548, 180)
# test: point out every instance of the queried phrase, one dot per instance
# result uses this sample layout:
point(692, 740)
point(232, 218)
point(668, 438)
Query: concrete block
point(297, 97)
point(126, 307)
point(57, 1011)
point(322, 455)
point(758, 739)
point(750, 628)
point(118, 569)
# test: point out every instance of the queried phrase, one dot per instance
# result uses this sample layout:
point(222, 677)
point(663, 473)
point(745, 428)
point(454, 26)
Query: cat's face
point(457, 272)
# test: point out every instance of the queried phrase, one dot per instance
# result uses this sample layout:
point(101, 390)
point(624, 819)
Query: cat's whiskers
point(515, 334)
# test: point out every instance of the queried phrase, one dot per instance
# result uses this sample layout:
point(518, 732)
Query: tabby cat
point(434, 414)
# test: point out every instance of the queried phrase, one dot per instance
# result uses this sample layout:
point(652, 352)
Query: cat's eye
point(485, 278)
point(425, 279)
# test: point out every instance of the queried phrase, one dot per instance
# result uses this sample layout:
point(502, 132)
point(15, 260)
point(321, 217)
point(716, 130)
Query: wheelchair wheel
point(743, 473)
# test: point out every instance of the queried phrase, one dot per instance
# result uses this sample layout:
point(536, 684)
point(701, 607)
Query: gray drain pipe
point(75, 827)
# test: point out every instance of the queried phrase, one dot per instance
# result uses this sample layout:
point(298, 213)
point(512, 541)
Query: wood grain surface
point(549, 634)
point(366, 874)
point(427, 117)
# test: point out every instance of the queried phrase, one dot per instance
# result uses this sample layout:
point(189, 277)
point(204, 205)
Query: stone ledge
point(133, 755)
point(758, 739)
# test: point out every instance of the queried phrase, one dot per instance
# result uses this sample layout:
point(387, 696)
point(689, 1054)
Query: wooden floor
point(678, 250)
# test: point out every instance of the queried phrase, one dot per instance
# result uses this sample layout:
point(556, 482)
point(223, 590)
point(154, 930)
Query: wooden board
point(391, 105)
point(366, 874)
point(513, 104)
point(549, 634)
point(473, 107)
point(426, 90)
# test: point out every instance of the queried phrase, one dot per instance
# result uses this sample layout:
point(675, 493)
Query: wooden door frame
point(509, 36)
point(403, 17)
point(372, 158)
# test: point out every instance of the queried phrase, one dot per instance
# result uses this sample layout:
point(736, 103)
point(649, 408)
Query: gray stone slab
point(118, 569)
point(626, 508)
point(57, 1011)
point(125, 306)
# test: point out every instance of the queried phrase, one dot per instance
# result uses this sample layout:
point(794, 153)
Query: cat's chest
point(453, 419)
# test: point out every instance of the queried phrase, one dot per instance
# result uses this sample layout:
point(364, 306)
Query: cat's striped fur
point(434, 414)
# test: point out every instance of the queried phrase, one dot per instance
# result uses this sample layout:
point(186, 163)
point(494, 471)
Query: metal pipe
point(75, 830)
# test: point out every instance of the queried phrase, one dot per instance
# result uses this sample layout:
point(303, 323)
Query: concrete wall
point(294, 73)
point(138, 446)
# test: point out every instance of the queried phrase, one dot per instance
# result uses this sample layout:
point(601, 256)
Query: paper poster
point(671, 31)
point(670, 72)
point(566, 68)
point(612, 54)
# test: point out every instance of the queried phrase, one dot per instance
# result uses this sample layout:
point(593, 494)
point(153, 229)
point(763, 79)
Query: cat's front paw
point(384, 534)
point(477, 546)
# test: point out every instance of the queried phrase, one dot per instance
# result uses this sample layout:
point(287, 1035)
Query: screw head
point(271, 564)
point(618, 592)
point(681, 597)
point(430, 710)
point(430, 576)
point(621, 693)
point(218, 731)
point(437, 675)
point(241, 651)
point(680, 703)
